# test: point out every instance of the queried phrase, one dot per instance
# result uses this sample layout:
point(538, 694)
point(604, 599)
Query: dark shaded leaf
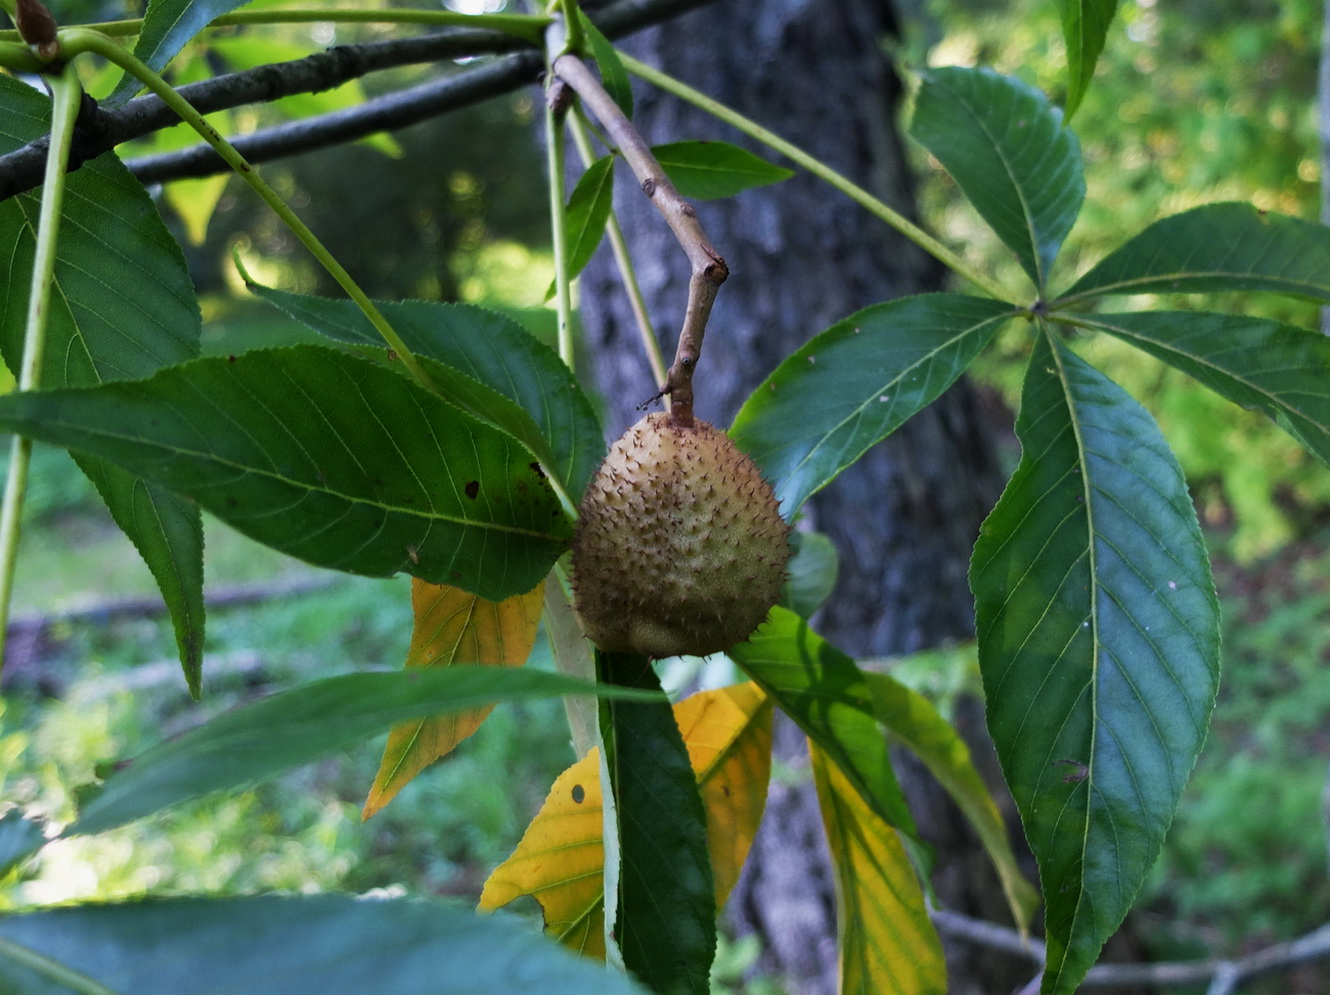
point(1009, 152)
point(241, 748)
point(486, 347)
point(587, 214)
point(1216, 248)
point(856, 383)
point(710, 170)
point(293, 944)
point(1283, 370)
point(122, 307)
point(811, 574)
point(613, 76)
point(168, 26)
point(666, 924)
point(20, 838)
point(1099, 646)
point(327, 457)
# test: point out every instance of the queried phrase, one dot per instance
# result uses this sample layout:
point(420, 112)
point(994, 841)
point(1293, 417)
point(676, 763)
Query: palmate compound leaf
point(452, 627)
point(915, 722)
point(1098, 643)
point(1216, 248)
point(560, 860)
point(489, 350)
point(1008, 150)
point(122, 307)
point(293, 944)
point(1282, 370)
point(325, 456)
point(888, 946)
point(241, 748)
point(856, 383)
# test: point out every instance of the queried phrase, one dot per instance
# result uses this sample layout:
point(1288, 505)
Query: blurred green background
point(1194, 101)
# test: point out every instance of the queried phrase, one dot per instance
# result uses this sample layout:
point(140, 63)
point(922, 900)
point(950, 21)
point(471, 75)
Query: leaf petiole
point(66, 98)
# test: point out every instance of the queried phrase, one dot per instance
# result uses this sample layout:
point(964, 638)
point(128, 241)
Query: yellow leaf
point(888, 946)
point(452, 626)
point(728, 735)
point(561, 860)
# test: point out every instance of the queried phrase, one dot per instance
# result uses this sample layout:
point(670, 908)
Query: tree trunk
point(801, 257)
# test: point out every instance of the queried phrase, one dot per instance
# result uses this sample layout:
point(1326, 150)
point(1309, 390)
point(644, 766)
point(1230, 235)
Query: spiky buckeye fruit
point(679, 547)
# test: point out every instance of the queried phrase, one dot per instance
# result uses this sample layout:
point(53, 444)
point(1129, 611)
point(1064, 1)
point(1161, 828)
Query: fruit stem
point(708, 268)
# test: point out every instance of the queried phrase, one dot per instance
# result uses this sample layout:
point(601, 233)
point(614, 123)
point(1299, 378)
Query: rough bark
point(801, 257)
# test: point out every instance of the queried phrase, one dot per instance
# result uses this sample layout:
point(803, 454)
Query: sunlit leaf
point(828, 696)
point(1282, 370)
point(573, 657)
point(1098, 643)
point(702, 170)
point(1084, 26)
point(856, 383)
point(293, 944)
point(1007, 149)
point(240, 748)
point(888, 946)
point(1216, 248)
point(490, 349)
point(327, 457)
point(666, 920)
point(168, 25)
point(559, 860)
point(916, 722)
point(452, 626)
point(122, 306)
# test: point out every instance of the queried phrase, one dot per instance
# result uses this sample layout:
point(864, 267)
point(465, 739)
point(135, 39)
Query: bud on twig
point(37, 27)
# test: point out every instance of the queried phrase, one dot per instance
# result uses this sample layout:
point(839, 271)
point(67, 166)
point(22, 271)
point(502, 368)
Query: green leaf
point(492, 350)
point(1098, 643)
point(917, 723)
point(888, 946)
point(666, 923)
point(856, 383)
point(327, 457)
point(829, 698)
point(20, 838)
point(241, 748)
point(1084, 27)
point(1010, 153)
point(1283, 370)
point(168, 26)
point(587, 214)
point(293, 944)
point(811, 573)
point(613, 76)
point(702, 170)
point(122, 307)
point(1216, 248)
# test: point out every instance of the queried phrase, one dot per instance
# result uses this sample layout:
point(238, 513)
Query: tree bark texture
point(801, 257)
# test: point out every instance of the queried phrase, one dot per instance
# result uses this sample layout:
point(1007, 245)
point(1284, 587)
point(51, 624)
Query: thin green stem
point(66, 977)
point(528, 27)
point(554, 153)
point(819, 169)
point(66, 97)
point(625, 263)
point(76, 40)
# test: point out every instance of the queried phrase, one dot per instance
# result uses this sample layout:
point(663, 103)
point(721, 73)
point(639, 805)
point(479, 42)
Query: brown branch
point(709, 269)
point(1223, 975)
point(101, 129)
